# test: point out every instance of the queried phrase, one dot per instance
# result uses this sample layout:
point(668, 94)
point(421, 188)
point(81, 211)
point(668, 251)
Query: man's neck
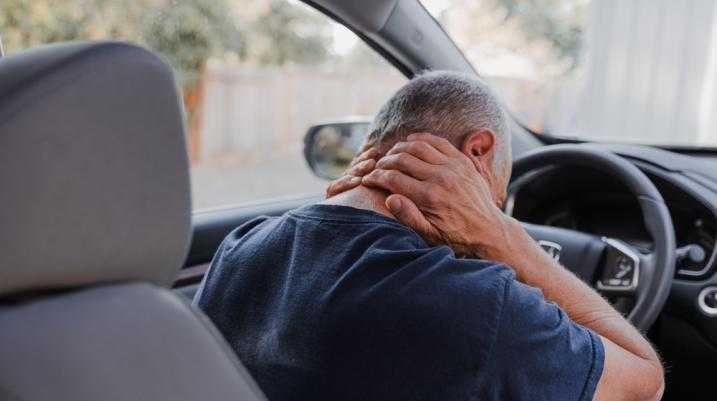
point(362, 197)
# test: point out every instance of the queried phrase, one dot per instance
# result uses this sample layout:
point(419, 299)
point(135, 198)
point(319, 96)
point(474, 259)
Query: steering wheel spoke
point(621, 269)
point(579, 252)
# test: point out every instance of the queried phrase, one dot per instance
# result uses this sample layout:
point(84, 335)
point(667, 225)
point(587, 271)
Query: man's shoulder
point(437, 271)
point(449, 304)
point(318, 223)
point(248, 229)
point(430, 280)
point(369, 253)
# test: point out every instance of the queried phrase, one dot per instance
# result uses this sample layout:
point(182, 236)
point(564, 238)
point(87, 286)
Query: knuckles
point(443, 141)
point(402, 159)
point(441, 178)
point(391, 177)
point(389, 161)
point(364, 167)
point(417, 147)
point(432, 195)
point(378, 177)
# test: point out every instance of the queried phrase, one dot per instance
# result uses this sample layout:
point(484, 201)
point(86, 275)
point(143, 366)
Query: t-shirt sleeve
point(540, 353)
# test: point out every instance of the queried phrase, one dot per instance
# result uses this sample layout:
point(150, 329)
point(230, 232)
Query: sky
point(435, 6)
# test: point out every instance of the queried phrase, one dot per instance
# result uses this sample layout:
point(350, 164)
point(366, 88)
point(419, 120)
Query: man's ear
point(479, 145)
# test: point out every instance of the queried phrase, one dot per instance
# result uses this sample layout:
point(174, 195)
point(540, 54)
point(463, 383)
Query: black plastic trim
point(403, 68)
point(211, 226)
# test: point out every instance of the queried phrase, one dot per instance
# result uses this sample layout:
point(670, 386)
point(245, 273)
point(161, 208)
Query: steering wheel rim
point(658, 267)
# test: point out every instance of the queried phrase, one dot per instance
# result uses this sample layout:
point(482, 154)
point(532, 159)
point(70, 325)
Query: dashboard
point(591, 201)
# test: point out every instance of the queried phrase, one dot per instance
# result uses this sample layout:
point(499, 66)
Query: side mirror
point(330, 147)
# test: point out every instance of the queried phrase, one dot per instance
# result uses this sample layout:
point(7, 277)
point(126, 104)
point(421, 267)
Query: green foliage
point(189, 32)
point(557, 21)
point(186, 32)
point(288, 33)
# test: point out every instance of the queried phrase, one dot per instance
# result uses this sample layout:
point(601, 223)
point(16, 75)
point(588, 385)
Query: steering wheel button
point(620, 267)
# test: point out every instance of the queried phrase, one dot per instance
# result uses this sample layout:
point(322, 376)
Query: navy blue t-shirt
point(335, 303)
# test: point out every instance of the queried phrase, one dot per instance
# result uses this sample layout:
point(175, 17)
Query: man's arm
point(632, 369)
point(437, 192)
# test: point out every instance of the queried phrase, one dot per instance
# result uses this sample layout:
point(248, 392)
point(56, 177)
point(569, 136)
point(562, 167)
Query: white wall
point(651, 70)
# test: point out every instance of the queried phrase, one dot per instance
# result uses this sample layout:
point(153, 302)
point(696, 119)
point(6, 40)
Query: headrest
point(94, 182)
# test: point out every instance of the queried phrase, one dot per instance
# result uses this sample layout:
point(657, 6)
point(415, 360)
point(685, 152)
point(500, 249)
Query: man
point(411, 284)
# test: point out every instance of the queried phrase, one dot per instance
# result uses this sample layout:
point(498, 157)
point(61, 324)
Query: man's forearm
point(444, 194)
point(583, 304)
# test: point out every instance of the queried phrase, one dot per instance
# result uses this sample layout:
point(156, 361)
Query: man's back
point(332, 302)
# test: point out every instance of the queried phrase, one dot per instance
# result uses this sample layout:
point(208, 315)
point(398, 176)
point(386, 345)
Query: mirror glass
point(329, 148)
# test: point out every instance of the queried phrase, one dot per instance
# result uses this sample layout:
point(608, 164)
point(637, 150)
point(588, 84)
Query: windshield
point(635, 72)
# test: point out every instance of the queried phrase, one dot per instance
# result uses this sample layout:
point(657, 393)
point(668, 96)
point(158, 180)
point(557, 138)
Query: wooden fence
point(248, 112)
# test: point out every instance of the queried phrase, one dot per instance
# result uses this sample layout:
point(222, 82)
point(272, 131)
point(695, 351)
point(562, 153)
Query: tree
point(557, 21)
point(186, 33)
point(289, 33)
point(547, 32)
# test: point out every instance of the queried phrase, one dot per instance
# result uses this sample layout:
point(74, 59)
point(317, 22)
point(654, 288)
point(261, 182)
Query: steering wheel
point(612, 266)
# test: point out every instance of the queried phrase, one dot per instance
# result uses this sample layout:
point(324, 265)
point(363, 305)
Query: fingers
point(365, 154)
point(408, 213)
point(419, 149)
point(364, 147)
point(442, 144)
point(362, 168)
point(396, 182)
point(351, 178)
point(342, 184)
point(408, 164)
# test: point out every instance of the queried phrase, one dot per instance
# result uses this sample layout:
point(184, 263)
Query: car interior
point(102, 252)
point(83, 305)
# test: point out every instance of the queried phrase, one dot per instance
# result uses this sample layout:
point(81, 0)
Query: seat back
point(95, 215)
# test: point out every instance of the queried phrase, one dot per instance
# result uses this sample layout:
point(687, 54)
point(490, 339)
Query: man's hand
point(360, 166)
point(436, 190)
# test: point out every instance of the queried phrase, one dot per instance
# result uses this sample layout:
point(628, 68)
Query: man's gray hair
point(447, 104)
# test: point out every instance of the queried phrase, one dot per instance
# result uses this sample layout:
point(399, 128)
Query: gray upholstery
point(126, 342)
point(94, 182)
point(95, 219)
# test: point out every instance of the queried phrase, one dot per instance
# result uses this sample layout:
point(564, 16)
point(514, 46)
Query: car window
point(632, 71)
point(254, 75)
